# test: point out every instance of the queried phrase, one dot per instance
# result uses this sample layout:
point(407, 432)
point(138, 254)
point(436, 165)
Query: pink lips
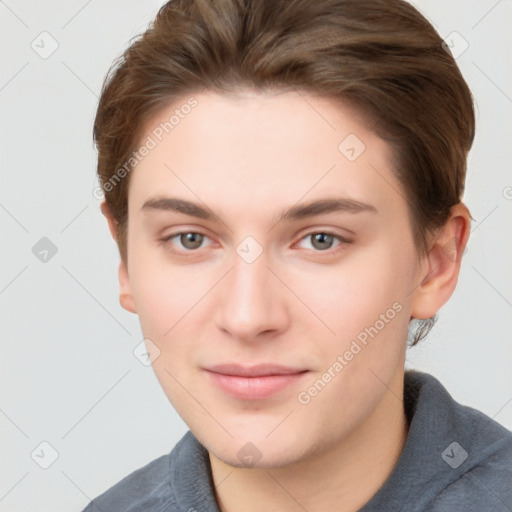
point(253, 382)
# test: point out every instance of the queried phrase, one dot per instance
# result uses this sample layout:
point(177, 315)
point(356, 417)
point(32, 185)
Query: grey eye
point(191, 240)
point(322, 241)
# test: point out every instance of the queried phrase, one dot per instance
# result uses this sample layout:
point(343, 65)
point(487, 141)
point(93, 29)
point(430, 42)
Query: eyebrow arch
point(300, 211)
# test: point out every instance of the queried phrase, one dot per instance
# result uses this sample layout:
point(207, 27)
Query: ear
point(441, 265)
point(112, 222)
point(125, 292)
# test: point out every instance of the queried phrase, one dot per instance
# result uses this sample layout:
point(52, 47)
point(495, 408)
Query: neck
point(348, 474)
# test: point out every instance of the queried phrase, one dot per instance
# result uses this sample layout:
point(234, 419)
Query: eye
point(323, 240)
point(189, 240)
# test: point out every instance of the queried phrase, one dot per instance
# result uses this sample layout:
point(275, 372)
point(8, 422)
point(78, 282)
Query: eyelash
point(342, 241)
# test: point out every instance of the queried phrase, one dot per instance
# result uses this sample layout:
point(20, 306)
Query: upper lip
point(258, 370)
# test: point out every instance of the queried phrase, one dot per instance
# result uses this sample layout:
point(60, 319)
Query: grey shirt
point(455, 459)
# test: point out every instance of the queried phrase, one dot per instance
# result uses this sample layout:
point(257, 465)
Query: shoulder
point(486, 483)
point(148, 488)
point(476, 453)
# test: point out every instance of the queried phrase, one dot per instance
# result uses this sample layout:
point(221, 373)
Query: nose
point(252, 301)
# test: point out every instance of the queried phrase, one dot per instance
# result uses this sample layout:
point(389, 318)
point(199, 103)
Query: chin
point(255, 449)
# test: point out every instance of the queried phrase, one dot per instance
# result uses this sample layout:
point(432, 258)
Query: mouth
point(254, 382)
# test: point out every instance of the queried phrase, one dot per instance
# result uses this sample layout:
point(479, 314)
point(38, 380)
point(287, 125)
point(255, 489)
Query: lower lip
point(254, 388)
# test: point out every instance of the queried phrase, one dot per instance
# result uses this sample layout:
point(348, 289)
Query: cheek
point(162, 289)
point(162, 293)
point(355, 293)
point(165, 297)
point(367, 307)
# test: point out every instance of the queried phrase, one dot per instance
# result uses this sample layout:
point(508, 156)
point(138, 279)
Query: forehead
point(261, 149)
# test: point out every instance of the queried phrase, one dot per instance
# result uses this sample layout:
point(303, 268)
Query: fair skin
point(300, 304)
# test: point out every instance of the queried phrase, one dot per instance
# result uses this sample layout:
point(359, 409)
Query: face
point(270, 260)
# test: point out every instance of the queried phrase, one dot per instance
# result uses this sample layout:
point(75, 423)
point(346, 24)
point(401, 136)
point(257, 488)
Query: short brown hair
point(382, 56)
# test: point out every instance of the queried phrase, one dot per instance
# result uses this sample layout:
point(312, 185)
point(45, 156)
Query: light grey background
point(68, 374)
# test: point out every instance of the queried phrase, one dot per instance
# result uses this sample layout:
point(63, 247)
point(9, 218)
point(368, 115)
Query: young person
point(284, 180)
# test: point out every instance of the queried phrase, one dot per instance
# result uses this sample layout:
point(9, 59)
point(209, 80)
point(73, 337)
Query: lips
point(255, 382)
point(259, 370)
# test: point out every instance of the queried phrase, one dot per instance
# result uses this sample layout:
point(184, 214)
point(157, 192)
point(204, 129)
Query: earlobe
point(125, 291)
point(442, 265)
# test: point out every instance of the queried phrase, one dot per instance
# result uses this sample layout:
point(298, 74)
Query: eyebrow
point(296, 212)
